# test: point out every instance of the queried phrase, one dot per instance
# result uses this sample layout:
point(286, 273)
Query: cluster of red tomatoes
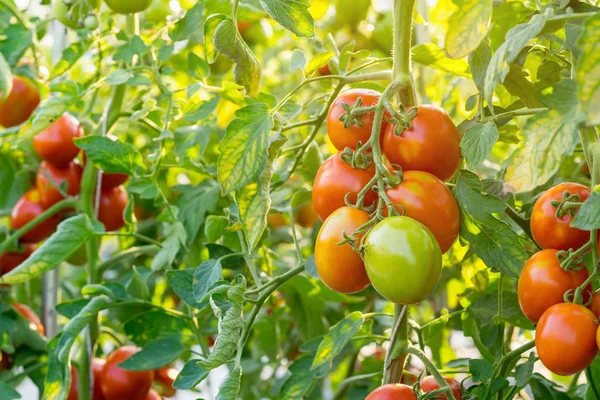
point(567, 335)
point(400, 391)
point(114, 383)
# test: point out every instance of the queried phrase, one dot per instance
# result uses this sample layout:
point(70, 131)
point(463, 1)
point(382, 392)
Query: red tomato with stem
point(346, 133)
point(429, 384)
point(50, 179)
point(166, 376)
point(552, 232)
point(55, 144)
point(10, 260)
point(393, 391)
point(427, 199)
point(119, 384)
point(543, 283)
point(112, 205)
point(26, 210)
point(29, 315)
point(340, 267)
point(431, 145)
point(20, 103)
point(566, 338)
point(334, 180)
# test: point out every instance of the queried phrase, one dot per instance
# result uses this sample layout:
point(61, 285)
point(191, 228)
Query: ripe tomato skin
point(392, 391)
point(152, 395)
point(551, 232)
point(11, 259)
point(340, 267)
point(543, 283)
point(403, 260)
point(166, 376)
point(334, 180)
point(429, 384)
point(431, 145)
point(566, 338)
point(97, 367)
point(428, 200)
point(20, 103)
point(113, 180)
point(595, 304)
point(55, 144)
point(342, 137)
point(49, 178)
point(112, 205)
point(73, 394)
point(128, 7)
point(306, 216)
point(118, 384)
point(30, 316)
point(27, 209)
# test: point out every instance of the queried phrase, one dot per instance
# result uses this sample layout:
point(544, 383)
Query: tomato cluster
point(401, 256)
point(399, 391)
point(566, 333)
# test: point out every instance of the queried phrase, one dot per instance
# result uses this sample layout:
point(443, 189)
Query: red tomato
point(119, 384)
point(55, 144)
point(325, 70)
point(29, 315)
point(50, 178)
point(427, 199)
point(595, 304)
point(431, 145)
point(4, 361)
point(306, 216)
point(25, 211)
point(12, 259)
point(551, 232)
point(341, 268)
point(543, 283)
point(166, 376)
point(73, 390)
point(429, 384)
point(243, 26)
point(392, 391)
point(20, 103)
point(97, 367)
point(343, 137)
point(334, 180)
point(152, 395)
point(566, 338)
point(112, 205)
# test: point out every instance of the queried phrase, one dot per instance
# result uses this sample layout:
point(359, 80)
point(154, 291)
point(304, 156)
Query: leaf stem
point(444, 387)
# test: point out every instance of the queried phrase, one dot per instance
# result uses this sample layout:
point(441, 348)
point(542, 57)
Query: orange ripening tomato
point(325, 70)
point(595, 304)
point(50, 178)
point(166, 376)
point(29, 315)
point(334, 180)
point(306, 215)
point(120, 384)
point(10, 260)
point(276, 220)
point(429, 384)
point(431, 145)
point(55, 144)
point(73, 390)
point(348, 134)
point(543, 283)
point(26, 210)
point(20, 103)
point(392, 391)
point(341, 268)
point(152, 395)
point(426, 198)
point(551, 232)
point(112, 205)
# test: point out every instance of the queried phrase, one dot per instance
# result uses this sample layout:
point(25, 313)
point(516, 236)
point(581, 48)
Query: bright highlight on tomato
point(118, 384)
point(392, 391)
point(20, 103)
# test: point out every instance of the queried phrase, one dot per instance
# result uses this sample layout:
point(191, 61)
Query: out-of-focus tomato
point(551, 232)
point(426, 198)
point(595, 304)
point(55, 144)
point(393, 391)
point(50, 178)
point(276, 220)
point(119, 384)
point(158, 11)
point(166, 376)
point(566, 338)
point(152, 395)
point(543, 283)
point(306, 215)
point(97, 367)
point(351, 13)
point(129, 6)
point(73, 17)
point(429, 384)
point(73, 390)
point(10, 260)
point(20, 103)
point(26, 210)
point(339, 266)
point(29, 315)
point(431, 145)
point(112, 205)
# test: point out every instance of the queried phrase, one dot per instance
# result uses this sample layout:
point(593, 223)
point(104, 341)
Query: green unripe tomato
point(128, 6)
point(403, 260)
point(78, 258)
point(158, 11)
point(91, 22)
point(71, 12)
point(351, 12)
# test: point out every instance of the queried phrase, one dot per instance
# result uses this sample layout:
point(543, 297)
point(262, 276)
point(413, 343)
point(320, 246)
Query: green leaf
point(477, 143)
point(110, 156)
point(587, 73)
point(188, 25)
point(492, 240)
point(58, 378)
point(154, 355)
point(292, 15)
point(230, 328)
point(210, 26)
point(72, 233)
point(215, 226)
point(432, 56)
point(16, 40)
point(197, 67)
point(118, 77)
point(6, 78)
point(311, 267)
point(337, 338)
point(182, 282)
point(206, 275)
point(190, 376)
point(301, 379)
point(137, 286)
point(244, 147)
point(14, 182)
point(301, 197)
point(479, 59)
point(319, 61)
point(297, 60)
point(468, 26)
point(230, 388)
point(517, 84)
point(588, 216)
point(485, 310)
point(176, 237)
point(145, 328)
point(194, 203)
point(481, 370)
point(524, 371)
point(7, 392)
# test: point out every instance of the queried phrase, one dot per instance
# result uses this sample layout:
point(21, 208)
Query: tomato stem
point(444, 387)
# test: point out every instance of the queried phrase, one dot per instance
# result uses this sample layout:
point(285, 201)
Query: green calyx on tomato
point(403, 260)
point(128, 6)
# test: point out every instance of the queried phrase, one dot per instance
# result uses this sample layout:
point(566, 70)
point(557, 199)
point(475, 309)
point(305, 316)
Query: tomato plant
point(396, 391)
point(17, 107)
point(55, 144)
point(118, 383)
point(429, 384)
point(54, 183)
